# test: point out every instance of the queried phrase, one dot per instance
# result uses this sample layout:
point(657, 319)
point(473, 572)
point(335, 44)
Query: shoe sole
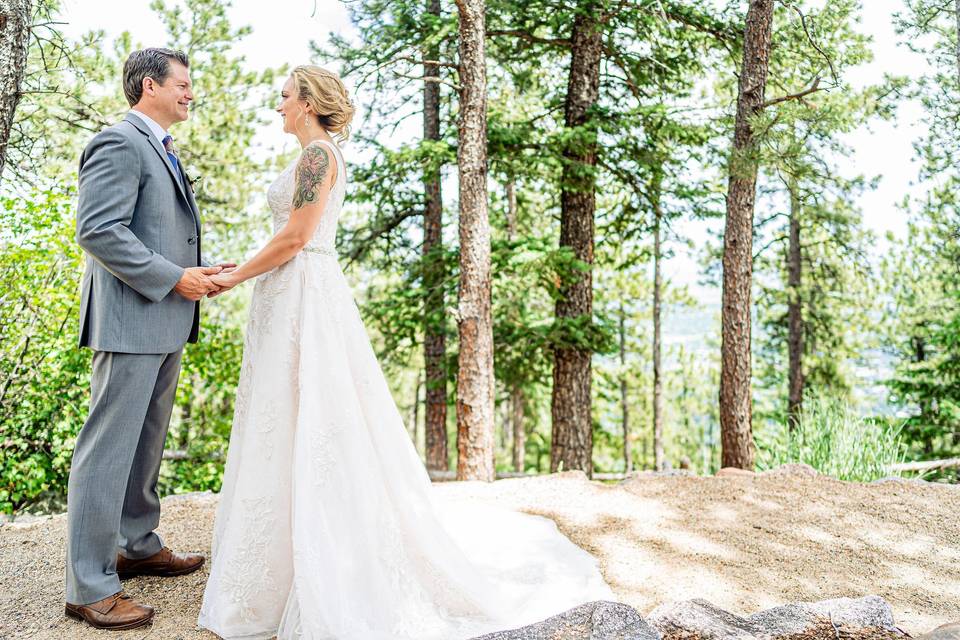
point(118, 627)
point(126, 575)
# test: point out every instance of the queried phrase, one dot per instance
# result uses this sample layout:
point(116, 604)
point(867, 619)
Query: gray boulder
point(592, 621)
point(943, 632)
point(793, 470)
point(869, 612)
point(869, 616)
point(700, 619)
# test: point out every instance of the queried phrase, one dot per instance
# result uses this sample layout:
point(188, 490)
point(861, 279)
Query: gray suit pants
point(112, 501)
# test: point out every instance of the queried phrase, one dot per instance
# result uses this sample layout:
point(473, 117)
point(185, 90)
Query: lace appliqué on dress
point(248, 575)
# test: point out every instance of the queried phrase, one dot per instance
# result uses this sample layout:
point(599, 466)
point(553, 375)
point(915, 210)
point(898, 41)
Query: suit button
point(192, 240)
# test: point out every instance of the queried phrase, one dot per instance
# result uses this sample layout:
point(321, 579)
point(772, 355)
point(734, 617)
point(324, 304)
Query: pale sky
point(282, 30)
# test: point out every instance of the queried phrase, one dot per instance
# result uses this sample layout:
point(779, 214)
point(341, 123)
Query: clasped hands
point(197, 282)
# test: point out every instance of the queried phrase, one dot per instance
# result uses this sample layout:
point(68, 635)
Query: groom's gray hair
point(148, 63)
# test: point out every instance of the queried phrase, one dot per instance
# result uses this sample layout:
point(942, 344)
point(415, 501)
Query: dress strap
point(336, 156)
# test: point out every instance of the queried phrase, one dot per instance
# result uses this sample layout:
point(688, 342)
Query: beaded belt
point(326, 251)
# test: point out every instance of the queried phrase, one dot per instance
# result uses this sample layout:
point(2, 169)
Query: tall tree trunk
point(519, 429)
point(186, 417)
point(624, 405)
point(956, 11)
point(572, 429)
point(434, 338)
point(415, 409)
point(512, 207)
point(657, 380)
point(926, 408)
point(644, 451)
point(735, 401)
point(506, 424)
point(475, 362)
point(516, 392)
point(794, 314)
point(15, 18)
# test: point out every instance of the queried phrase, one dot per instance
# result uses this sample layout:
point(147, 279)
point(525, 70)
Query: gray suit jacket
point(140, 227)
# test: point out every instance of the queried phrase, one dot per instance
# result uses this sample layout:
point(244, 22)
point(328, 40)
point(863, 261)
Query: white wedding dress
point(327, 525)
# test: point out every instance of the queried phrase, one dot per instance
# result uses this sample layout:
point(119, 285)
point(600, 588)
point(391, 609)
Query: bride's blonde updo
point(324, 92)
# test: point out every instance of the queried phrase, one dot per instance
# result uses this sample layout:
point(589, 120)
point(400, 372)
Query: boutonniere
point(193, 180)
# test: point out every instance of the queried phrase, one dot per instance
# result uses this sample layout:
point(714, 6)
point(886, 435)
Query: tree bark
point(657, 381)
point(186, 416)
point(512, 208)
point(956, 12)
point(516, 393)
point(519, 429)
point(415, 411)
point(15, 18)
point(572, 428)
point(794, 314)
point(624, 405)
point(475, 361)
point(434, 338)
point(735, 401)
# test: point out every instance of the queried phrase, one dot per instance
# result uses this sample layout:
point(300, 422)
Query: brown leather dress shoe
point(118, 611)
point(163, 563)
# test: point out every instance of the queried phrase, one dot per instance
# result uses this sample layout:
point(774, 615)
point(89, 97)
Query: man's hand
point(195, 282)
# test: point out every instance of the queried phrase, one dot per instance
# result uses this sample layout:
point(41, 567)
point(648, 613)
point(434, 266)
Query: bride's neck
point(309, 136)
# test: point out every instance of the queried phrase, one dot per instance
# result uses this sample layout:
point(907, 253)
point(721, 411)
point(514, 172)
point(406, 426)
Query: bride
point(327, 526)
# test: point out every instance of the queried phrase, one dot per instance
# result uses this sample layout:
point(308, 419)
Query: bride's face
point(291, 109)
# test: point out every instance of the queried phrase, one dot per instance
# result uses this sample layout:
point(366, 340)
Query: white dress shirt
point(155, 129)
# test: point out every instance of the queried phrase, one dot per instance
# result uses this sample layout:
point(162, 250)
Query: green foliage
point(835, 440)
point(922, 292)
point(43, 375)
point(203, 417)
point(923, 314)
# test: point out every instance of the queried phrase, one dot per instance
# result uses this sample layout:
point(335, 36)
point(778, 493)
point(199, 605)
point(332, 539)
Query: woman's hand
point(225, 280)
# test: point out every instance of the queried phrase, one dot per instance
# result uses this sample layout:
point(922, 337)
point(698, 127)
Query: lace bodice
point(280, 199)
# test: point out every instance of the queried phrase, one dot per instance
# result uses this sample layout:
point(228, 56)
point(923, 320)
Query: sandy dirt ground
point(743, 543)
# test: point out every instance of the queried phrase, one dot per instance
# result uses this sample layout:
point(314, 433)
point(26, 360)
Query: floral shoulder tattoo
point(311, 171)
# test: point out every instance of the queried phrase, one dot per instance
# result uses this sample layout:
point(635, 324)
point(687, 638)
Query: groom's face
point(173, 97)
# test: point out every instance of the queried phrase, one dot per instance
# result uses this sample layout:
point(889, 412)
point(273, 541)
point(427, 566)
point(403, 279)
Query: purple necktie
point(172, 154)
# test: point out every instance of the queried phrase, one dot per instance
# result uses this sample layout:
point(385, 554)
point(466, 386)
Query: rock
point(198, 497)
point(734, 472)
point(809, 620)
point(869, 612)
point(27, 520)
point(592, 621)
point(917, 482)
point(793, 469)
point(949, 631)
point(700, 619)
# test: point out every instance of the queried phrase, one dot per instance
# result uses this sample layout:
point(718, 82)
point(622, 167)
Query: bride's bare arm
point(314, 179)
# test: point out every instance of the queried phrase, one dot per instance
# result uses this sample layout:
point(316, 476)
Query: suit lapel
point(152, 139)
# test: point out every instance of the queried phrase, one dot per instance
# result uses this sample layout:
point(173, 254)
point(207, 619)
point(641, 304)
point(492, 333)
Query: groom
point(138, 222)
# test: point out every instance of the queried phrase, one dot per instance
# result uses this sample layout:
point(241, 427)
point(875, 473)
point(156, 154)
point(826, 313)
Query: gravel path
point(743, 543)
